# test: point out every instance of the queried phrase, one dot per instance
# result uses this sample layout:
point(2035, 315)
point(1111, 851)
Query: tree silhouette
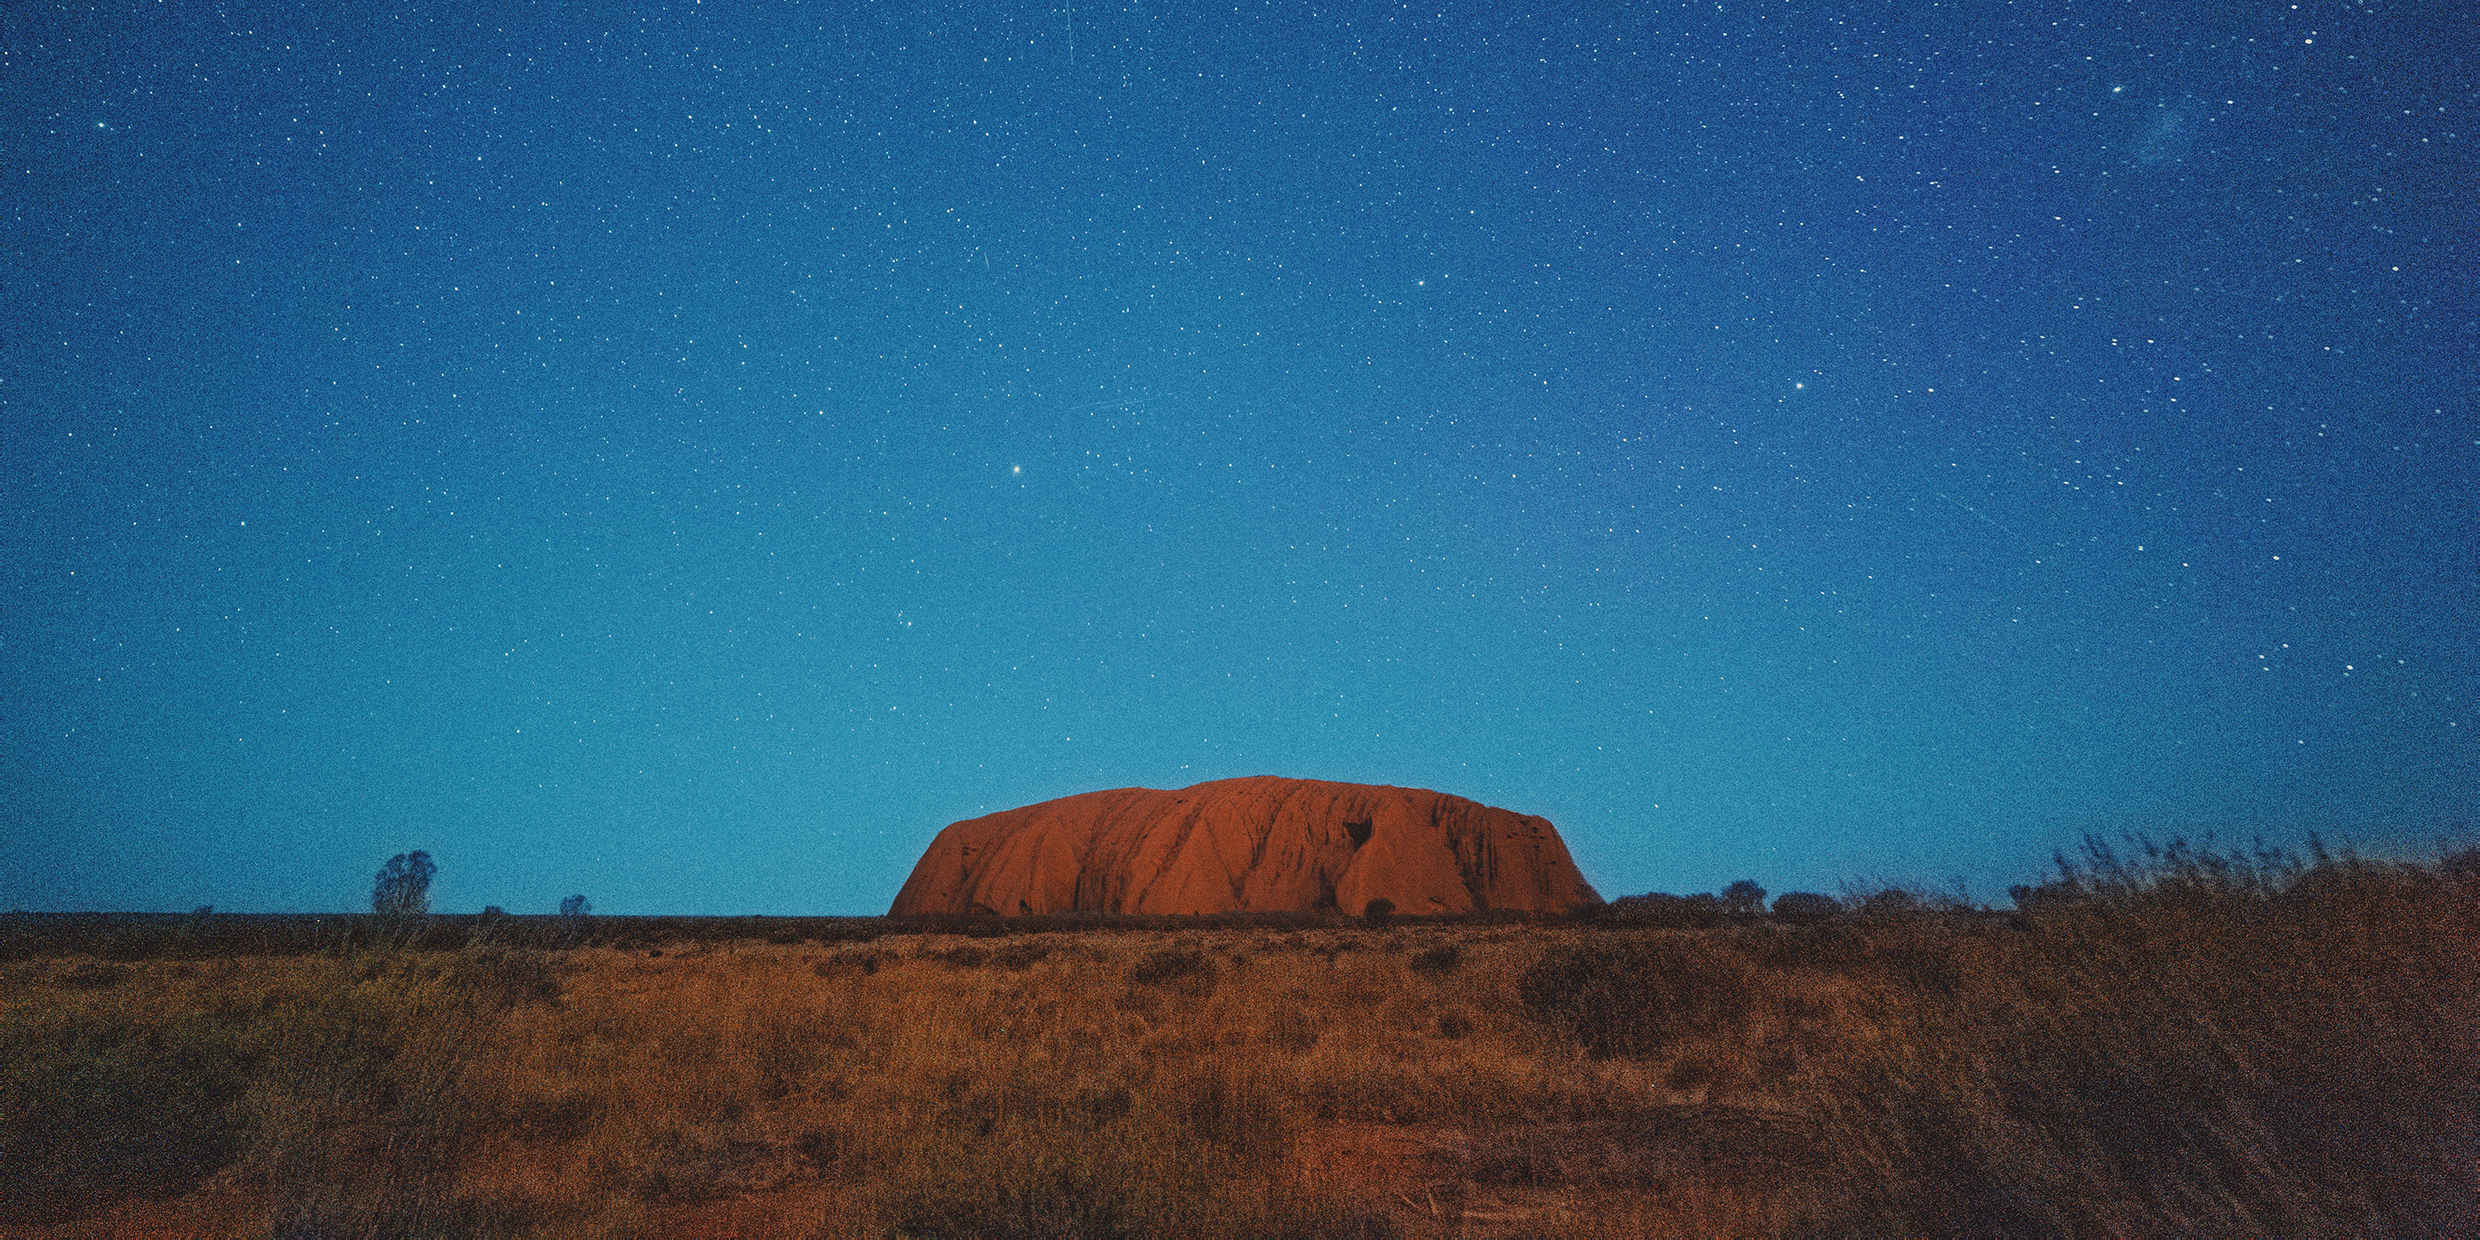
point(1745, 896)
point(404, 886)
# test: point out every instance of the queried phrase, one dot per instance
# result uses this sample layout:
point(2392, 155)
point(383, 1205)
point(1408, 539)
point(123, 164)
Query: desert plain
point(2189, 1043)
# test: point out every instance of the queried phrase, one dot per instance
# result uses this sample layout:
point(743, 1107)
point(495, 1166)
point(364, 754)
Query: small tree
point(576, 917)
point(1745, 897)
point(404, 886)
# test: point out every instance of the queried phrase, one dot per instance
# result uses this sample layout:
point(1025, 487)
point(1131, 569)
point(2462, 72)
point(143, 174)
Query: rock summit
point(1260, 844)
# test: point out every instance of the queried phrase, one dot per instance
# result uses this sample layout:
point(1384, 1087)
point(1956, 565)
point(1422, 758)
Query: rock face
point(1259, 844)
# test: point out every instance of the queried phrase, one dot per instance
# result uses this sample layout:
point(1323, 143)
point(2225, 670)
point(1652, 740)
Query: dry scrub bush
point(2196, 1044)
point(100, 1101)
point(334, 1083)
point(1638, 995)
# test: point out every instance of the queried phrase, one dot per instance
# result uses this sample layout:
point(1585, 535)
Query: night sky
point(688, 454)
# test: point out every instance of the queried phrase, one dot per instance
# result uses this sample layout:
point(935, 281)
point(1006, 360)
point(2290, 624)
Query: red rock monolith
point(1260, 844)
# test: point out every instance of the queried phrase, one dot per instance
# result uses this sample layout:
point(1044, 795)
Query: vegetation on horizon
point(2178, 1040)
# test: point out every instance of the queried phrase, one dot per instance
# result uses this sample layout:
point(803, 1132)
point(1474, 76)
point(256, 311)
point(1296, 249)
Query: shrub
point(2194, 1043)
point(136, 942)
point(1236, 1105)
point(2053, 895)
point(866, 959)
point(94, 1105)
point(1184, 967)
point(1019, 955)
point(494, 979)
point(1668, 912)
point(1805, 908)
point(1638, 998)
point(1654, 908)
point(2462, 865)
point(360, 1111)
point(94, 976)
point(1440, 959)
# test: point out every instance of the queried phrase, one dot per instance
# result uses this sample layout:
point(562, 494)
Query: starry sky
point(688, 453)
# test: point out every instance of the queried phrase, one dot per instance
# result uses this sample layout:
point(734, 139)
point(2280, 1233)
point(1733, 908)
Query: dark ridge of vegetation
point(1662, 910)
point(202, 936)
point(1805, 908)
point(2099, 873)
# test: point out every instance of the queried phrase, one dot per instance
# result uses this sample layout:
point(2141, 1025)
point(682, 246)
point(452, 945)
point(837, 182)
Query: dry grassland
point(2201, 1060)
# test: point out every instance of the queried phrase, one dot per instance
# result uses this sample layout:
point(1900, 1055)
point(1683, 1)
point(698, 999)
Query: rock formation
point(1259, 844)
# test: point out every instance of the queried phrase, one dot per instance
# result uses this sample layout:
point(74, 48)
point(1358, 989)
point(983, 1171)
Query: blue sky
point(689, 454)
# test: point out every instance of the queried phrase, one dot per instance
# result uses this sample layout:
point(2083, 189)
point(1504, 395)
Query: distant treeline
point(207, 935)
point(2100, 875)
point(144, 936)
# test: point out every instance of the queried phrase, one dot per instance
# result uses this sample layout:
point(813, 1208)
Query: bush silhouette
point(1657, 908)
point(1805, 908)
point(1745, 897)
